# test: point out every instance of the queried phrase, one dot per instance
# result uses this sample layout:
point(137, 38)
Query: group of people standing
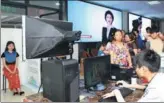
point(122, 47)
point(146, 50)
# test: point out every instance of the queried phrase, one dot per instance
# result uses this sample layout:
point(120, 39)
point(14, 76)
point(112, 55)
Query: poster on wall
point(95, 22)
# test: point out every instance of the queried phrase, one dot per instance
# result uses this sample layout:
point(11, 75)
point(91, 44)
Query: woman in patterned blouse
point(118, 51)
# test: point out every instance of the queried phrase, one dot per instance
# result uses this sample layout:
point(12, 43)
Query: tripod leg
point(40, 87)
point(3, 82)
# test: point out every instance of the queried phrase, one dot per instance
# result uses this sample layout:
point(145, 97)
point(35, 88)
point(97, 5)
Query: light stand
point(40, 74)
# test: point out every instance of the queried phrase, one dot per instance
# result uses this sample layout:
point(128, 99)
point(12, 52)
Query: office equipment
point(96, 70)
point(61, 80)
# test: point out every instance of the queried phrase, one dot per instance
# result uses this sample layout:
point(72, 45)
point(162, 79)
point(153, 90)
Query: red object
point(13, 79)
point(144, 80)
point(86, 36)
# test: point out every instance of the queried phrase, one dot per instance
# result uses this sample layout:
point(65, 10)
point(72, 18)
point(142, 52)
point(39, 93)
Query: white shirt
point(108, 31)
point(155, 90)
point(156, 45)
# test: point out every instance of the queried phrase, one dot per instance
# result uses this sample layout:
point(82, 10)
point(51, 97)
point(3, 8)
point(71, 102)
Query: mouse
point(119, 84)
point(101, 100)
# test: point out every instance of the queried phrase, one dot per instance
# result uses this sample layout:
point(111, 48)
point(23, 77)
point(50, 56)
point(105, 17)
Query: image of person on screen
point(119, 51)
point(107, 31)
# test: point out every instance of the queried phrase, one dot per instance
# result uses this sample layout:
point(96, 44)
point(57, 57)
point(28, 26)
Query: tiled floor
point(8, 96)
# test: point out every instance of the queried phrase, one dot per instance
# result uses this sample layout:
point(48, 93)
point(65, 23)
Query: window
point(51, 4)
point(19, 1)
point(37, 12)
point(12, 10)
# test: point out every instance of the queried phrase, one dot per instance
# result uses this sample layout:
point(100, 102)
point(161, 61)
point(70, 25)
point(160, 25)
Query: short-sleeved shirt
point(10, 57)
point(155, 89)
point(119, 54)
point(154, 43)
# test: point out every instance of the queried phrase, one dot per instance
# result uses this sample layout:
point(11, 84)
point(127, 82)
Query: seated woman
point(101, 51)
point(131, 43)
point(118, 51)
point(10, 64)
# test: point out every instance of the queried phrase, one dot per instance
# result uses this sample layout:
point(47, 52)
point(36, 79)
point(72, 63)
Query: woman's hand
point(10, 71)
point(106, 52)
point(130, 66)
point(14, 71)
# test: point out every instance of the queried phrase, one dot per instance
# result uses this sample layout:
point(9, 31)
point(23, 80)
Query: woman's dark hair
point(8, 43)
point(123, 31)
point(110, 13)
point(148, 29)
point(149, 59)
point(132, 36)
point(114, 32)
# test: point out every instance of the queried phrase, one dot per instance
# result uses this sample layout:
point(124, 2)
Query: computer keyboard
point(125, 91)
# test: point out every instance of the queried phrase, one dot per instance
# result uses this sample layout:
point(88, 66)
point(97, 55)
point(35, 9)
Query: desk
point(94, 98)
point(134, 97)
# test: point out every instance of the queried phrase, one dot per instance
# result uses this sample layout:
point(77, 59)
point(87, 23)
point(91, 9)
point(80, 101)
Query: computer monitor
point(96, 70)
point(121, 73)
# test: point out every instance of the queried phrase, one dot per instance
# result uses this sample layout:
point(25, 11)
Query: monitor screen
point(96, 70)
point(90, 19)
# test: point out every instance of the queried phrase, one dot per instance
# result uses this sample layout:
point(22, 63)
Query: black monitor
point(96, 70)
point(121, 73)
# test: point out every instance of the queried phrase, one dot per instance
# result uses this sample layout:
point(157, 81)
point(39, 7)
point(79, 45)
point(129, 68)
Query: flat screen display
point(96, 70)
point(90, 19)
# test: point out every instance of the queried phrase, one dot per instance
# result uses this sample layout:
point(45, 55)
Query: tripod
point(40, 75)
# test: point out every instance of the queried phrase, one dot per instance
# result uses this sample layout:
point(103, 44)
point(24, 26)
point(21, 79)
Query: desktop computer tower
point(60, 79)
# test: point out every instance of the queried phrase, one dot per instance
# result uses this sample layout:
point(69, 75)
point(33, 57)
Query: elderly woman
point(119, 51)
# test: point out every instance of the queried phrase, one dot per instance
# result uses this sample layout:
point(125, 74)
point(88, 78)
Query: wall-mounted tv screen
point(91, 20)
point(146, 22)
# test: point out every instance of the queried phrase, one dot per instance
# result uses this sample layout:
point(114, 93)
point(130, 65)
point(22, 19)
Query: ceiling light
point(153, 2)
point(57, 4)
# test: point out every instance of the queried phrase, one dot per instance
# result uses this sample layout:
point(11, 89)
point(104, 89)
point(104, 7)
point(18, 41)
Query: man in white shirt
point(147, 66)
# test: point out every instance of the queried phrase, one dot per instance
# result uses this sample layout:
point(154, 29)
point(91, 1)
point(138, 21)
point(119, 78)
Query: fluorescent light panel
point(153, 2)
